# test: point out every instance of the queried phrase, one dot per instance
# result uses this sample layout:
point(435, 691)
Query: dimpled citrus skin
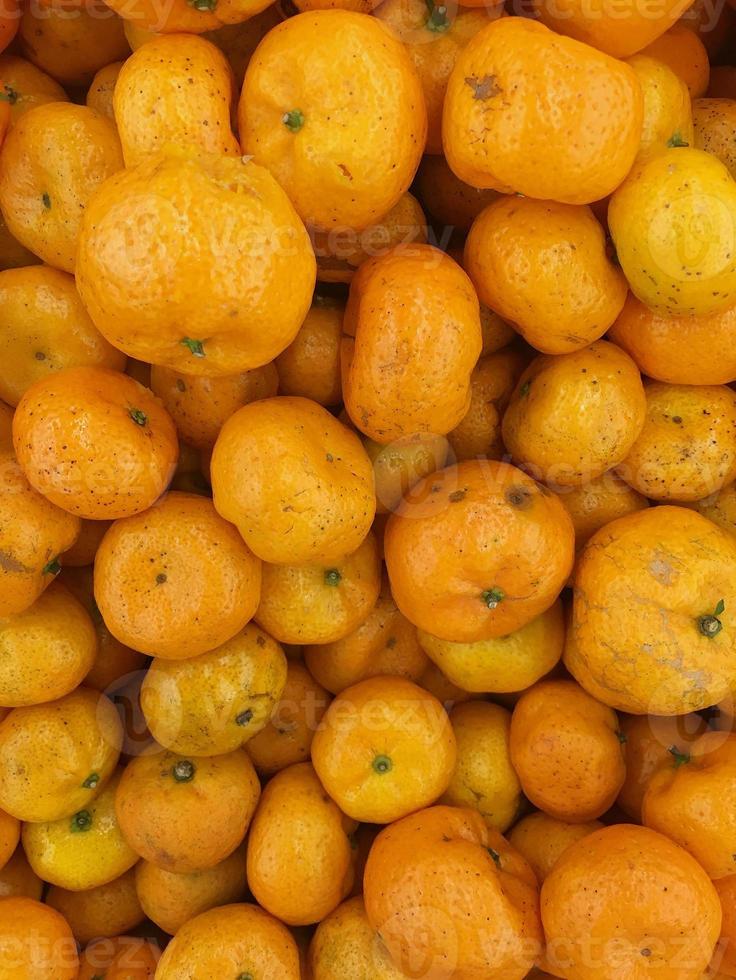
point(83, 851)
point(687, 447)
point(52, 161)
point(573, 417)
point(344, 945)
point(214, 703)
point(35, 941)
point(668, 113)
point(543, 266)
point(231, 941)
point(319, 604)
point(30, 86)
point(176, 580)
point(197, 262)
point(299, 854)
point(48, 752)
point(153, 107)
point(673, 222)
point(714, 122)
point(620, 29)
point(101, 91)
point(678, 349)
point(642, 584)
point(597, 936)
point(33, 531)
point(597, 502)
point(45, 651)
point(108, 910)
point(497, 129)
point(449, 200)
point(542, 839)
point(683, 49)
point(95, 442)
point(481, 555)
point(448, 892)
point(416, 322)
point(364, 117)
point(186, 815)
point(45, 329)
point(280, 462)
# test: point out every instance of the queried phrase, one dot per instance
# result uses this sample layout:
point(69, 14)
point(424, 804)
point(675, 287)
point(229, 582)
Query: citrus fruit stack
point(367, 490)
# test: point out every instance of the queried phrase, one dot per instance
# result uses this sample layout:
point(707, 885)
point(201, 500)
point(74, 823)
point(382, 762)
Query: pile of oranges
point(367, 490)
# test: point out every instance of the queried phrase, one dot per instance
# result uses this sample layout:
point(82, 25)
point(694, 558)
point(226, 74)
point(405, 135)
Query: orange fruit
point(384, 748)
point(543, 266)
point(713, 120)
point(542, 839)
point(299, 853)
point(170, 900)
point(401, 463)
point(218, 701)
point(35, 941)
point(18, 878)
point(496, 129)
point(651, 623)
point(151, 110)
point(477, 551)
point(233, 940)
point(344, 945)
point(310, 365)
point(105, 911)
point(100, 93)
point(597, 502)
point(176, 580)
point(186, 815)
point(594, 933)
point(449, 895)
point(327, 143)
point(94, 442)
point(450, 201)
point(575, 416)
point(53, 159)
point(82, 552)
point(26, 86)
point(682, 50)
point(181, 298)
point(668, 114)
point(120, 958)
point(725, 956)
point(322, 469)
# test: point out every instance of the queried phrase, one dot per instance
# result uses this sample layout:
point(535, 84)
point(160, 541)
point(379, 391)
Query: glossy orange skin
point(565, 748)
point(714, 120)
point(48, 752)
point(152, 109)
point(487, 526)
point(100, 93)
point(619, 31)
point(299, 854)
point(310, 365)
point(687, 447)
point(52, 161)
point(542, 839)
point(597, 502)
point(79, 445)
point(719, 507)
point(416, 323)
point(27, 86)
point(491, 385)
point(320, 604)
point(191, 825)
point(344, 945)
point(543, 267)
point(107, 910)
point(232, 940)
point(287, 738)
point(445, 906)
point(400, 464)
point(451, 202)
point(216, 702)
point(678, 349)
point(496, 129)
point(9, 837)
point(279, 461)
point(682, 50)
point(635, 642)
point(45, 329)
point(181, 17)
point(176, 580)
point(691, 802)
point(18, 878)
point(185, 296)
point(362, 105)
point(584, 909)
point(45, 651)
point(120, 958)
point(35, 941)
point(433, 51)
point(171, 900)
point(200, 405)
point(33, 531)
point(385, 748)
point(71, 48)
point(725, 956)
point(575, 416)
point(385, 643)
point(668, 113)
